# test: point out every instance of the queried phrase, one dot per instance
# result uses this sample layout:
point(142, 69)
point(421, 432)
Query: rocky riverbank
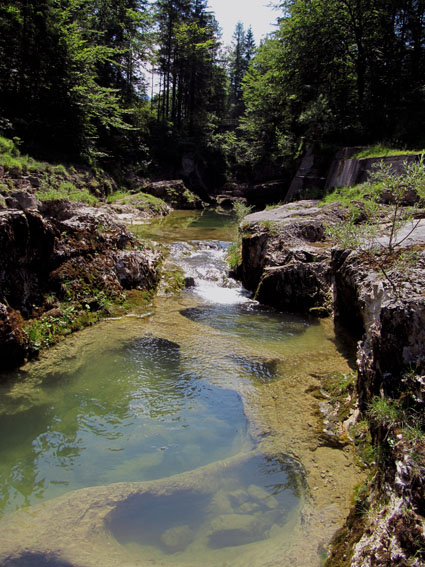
point(62, 266)
point(66, 255)
point(289, 261)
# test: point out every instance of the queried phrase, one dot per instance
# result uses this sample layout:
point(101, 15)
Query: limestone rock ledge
point(286, 255)
point(63, 254)
point(389, 314)
point(289, 263)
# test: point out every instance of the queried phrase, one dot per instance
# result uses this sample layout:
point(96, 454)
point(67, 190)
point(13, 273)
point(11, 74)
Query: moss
point(379, 150)
point(65, 190)
point(173, 280)
point(343, 542)
point(141, 201)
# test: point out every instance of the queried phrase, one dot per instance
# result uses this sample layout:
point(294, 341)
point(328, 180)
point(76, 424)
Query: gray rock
point(23, 200)
point(286, 255)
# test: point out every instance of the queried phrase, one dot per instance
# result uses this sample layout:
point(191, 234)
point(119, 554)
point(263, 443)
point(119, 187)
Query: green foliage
point(7, 146)
point(338, 384)
point(274, 206)
point(241, 53)
point(234, 256)
point(121, 195)
point(385, 412)
point(68, 317)
point(270, 226)
point(173, 280)
point(12, 159)
point(318, 79)
point(399, 420)
point(66, 190)
point(68, 72)
point(191, 84)
point(346, 195)
point(241, 210)
point(234, 252)
point(354, 235)
point(357, 232)
point(379, 151)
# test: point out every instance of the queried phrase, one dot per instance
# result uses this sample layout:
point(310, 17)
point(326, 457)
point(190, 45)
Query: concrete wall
point(346, 171)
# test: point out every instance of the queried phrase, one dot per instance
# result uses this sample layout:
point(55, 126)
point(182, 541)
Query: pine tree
point(242, 52)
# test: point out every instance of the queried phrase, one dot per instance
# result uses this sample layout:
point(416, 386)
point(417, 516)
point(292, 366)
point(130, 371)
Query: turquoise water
point(133, 413)
point(147, 397)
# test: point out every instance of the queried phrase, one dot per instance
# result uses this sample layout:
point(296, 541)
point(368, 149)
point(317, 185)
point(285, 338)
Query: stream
point(185, 433)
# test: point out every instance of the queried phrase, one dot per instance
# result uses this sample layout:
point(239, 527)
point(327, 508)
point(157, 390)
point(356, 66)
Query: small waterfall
point(204, 262)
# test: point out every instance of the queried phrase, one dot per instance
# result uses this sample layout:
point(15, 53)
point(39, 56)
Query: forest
point(77, 76)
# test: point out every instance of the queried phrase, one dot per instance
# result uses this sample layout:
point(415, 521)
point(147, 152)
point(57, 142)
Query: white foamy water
point(205, 262)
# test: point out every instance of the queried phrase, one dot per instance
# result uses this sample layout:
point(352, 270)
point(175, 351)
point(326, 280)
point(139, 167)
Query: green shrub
point(234, 253)
point(379, 150)
point(6, 146)
point(384, 412)
point(354, 234)
point(241, 210)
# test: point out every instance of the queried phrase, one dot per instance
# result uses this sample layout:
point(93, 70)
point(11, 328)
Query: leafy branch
point(382, 233)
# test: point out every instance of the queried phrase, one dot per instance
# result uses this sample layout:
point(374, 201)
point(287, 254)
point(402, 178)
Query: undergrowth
point(234, 252)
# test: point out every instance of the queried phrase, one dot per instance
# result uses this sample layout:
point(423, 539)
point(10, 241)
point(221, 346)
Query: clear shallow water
point(251, 500)
point(133, 413)
point(143, 399)
point(182, 226)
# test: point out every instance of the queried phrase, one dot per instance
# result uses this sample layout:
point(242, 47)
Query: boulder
point(23, 200)
point(175, 193)
point(286, 255)
point(72, 252)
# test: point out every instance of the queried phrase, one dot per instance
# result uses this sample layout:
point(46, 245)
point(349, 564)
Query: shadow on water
point(248, 321)
point(249, 501)
point(35, 560)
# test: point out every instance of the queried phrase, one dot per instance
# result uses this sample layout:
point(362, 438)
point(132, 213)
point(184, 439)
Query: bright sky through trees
point(255, 13)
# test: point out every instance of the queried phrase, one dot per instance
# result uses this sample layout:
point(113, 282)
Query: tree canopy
point(339, 71)
point(73, 79)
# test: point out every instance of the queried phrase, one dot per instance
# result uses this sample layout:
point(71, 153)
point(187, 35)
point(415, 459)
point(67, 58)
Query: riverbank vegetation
point(106, 95)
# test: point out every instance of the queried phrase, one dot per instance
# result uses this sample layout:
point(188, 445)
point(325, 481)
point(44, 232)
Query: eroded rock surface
point(58, 252)
point(390, 312)
point(286, 255)
point(290, 263)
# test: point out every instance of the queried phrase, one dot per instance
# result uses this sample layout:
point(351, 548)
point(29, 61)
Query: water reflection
point(134, 413)
point(246, 321)
point(207, 224)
